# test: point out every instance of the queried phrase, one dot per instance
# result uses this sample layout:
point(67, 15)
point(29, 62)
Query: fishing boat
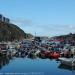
point(47, 53)
point(55, 55)
point(3, 49)
point(67, 61)
point(32, 54)
point(42, 54)
point(11, 49)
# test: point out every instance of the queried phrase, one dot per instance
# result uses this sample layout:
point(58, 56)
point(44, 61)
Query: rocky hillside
point(10, 32)
point(69, 36)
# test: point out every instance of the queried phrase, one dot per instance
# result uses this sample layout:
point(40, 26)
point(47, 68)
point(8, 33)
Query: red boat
point(46, 53)
point(55, 55)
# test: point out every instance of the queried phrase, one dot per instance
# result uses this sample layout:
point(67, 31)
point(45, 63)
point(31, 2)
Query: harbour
point(36, 58)
point(37, 37)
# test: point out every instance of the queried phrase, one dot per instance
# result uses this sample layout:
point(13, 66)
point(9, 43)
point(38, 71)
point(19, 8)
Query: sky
point(43, 17)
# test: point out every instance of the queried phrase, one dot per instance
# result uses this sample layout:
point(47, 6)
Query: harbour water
point(38, 66)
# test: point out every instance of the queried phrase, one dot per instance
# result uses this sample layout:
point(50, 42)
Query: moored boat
point(67, 61)
point(55, 55)
point(3, 49)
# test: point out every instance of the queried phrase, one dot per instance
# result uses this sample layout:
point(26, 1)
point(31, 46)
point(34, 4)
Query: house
point(4, 19)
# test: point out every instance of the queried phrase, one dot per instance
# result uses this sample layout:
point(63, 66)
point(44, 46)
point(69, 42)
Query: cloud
point(72, 26)
point(22, 21)
point(58, 27)
point(46, 29)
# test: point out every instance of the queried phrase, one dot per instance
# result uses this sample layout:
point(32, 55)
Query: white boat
point(37, 52)
point(67, 61)
point(11, 49)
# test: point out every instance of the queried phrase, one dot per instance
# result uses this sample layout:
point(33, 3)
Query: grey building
point(1, 17)
point(4, 19)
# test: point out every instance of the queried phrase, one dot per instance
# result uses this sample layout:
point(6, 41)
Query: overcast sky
point(45, 17)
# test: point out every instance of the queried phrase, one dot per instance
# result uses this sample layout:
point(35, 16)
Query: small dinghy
point(67, 61)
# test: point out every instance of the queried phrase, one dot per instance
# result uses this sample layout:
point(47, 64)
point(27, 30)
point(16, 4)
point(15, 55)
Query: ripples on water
point(38, 66)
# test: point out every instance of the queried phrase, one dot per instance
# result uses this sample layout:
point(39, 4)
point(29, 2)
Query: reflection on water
point(36, 65)
point(65, 67)
point(4, 61)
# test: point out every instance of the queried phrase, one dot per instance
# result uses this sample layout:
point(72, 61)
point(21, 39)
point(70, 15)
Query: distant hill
point(69, 36)
point(10, 32)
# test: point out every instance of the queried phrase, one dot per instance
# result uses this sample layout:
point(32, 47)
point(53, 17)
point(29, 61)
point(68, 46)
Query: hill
point(69, 36)
point(10, 32)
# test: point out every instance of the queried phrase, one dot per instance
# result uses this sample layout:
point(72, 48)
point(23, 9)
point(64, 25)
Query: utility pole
point(35, 34)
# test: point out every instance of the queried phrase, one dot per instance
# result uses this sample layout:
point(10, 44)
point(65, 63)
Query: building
point(0, 17)
point(4, 19)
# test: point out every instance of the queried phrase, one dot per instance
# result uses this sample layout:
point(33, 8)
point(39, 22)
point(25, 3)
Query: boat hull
point(67, 61)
